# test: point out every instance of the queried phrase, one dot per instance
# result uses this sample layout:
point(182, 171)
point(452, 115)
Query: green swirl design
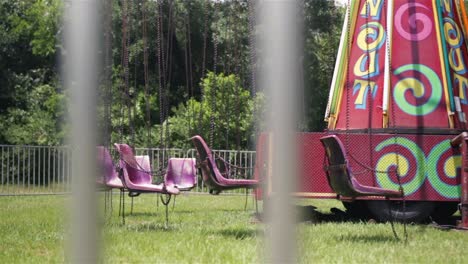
point(444, 189)
point(418, 90)
point(389, 160)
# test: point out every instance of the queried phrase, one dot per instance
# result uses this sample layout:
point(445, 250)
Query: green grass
point(212, 229)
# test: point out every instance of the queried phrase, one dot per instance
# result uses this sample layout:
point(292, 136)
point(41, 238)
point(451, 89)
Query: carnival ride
point(398, 99)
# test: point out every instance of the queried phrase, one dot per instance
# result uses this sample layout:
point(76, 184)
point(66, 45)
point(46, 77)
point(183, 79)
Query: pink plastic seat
point(110, 178)
point(137, 173)
point(210, 171)
point(340, 176)
point(181, 174)
point(137, 177)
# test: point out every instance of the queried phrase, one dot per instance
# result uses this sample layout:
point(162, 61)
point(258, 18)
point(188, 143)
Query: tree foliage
point(227, 103)
point(32, 98)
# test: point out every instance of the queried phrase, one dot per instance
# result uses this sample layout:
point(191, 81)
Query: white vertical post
point(338, 61)
point(281, 51)
point(81, 67)
point(388, 44)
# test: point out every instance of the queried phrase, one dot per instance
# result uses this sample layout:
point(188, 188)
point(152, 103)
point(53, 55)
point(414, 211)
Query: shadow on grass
point(150, 226)
point(148, 214)
point(237, 233)
point(368, 238)
point(311, 215)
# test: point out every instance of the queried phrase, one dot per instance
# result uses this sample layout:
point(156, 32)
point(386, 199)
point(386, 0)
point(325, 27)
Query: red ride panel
point(428, 166)
point(418, 95)
point(364, 79)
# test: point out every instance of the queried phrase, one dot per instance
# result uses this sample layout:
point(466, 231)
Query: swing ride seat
point(137, 173)
point(340, 176)
point(110, 178)
point(211, 174)
point(181, 174)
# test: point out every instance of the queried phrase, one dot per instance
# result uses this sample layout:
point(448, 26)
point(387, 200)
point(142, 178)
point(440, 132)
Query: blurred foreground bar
point(81, 69)
point(281, 51)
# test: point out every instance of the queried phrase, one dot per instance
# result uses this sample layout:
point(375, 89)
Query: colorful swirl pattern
point(450, 165)
point(415, 34)
point(418, 90)
point(401, 164)
point(439, 167)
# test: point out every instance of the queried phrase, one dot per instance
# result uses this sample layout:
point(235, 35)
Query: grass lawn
point(213, 229)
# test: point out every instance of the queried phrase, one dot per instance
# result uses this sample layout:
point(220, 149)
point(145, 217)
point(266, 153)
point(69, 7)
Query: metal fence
point(32, 170)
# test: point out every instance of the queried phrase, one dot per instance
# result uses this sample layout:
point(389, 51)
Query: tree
point(323, 21)
point(31, 98)
point(231, 108)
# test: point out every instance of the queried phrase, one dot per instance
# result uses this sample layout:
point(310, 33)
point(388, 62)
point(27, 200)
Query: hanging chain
point(170, 37)
point(213, 89)
point(348, 51)
point(161, 81)
point(237, 55)
point(205, 36)
point(227, 69)
point(108, 74)
point(132, 92)
point(126, 42)
point(187, 81)
point(122, 63)
point(190, 74)
point(202, 74)
point(253, 68)
point(395, 131)
point(370, 101)
point(146, 77)
point(160, 70)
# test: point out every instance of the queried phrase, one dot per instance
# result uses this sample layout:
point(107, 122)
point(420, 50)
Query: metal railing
point(29, 170)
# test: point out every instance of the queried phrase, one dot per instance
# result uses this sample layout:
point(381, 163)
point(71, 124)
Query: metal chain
point(348, 51)
point(123, 59)
point(370, 100)
point(160, 70)
point(186, 47)
point(108, 74)
point(395, 131)
point(205, 40)
point(252, 59)
point(213, 89)
point(169, 61)
point(146, 76)
point(236, 58)
point(160, 61)
point(132, 92)
point(126, 58)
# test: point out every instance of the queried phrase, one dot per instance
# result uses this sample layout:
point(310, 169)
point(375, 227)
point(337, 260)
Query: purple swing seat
point(136, 173)
point(340, 176)
point(110, 178)
point(181, 174)
point(210, 171)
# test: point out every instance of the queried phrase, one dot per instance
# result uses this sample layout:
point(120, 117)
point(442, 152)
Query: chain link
point(213, 89)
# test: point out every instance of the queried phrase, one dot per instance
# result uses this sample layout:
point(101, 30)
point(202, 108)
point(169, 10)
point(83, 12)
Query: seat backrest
point(338, 172)
point(334, 149)
point(138, 167)
point(208, 167)
point(181, 172)
point(105, 164)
